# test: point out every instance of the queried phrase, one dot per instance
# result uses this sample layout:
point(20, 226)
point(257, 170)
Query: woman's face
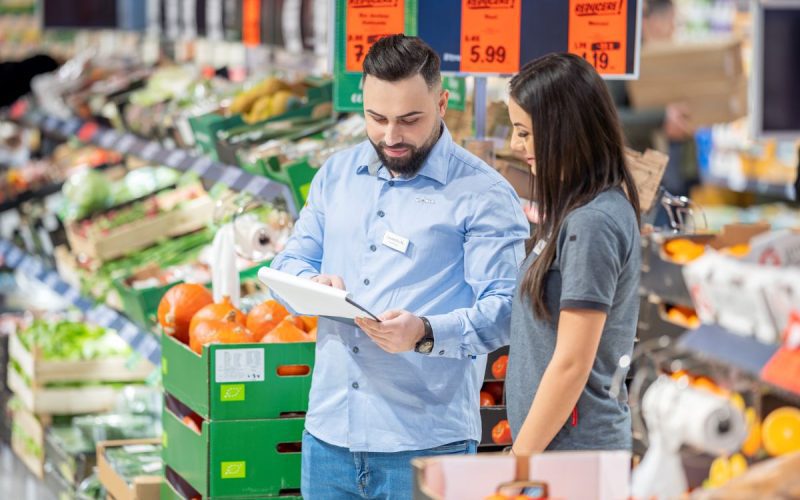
point(522, 135)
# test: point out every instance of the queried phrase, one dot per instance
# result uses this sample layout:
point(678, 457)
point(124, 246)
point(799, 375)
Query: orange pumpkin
point(286, 331)
point(179, 305)
point(217, 312)
point(265, 316)
point(309, 322)
point(225, 331)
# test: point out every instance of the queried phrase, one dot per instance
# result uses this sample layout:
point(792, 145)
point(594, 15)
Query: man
point(643, 126)
point(427, 236)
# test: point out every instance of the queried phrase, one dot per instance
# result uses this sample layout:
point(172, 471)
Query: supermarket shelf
point(30, 195)
point(719, 346)
point(141, 341)
point(129, 144)
point(782, 191)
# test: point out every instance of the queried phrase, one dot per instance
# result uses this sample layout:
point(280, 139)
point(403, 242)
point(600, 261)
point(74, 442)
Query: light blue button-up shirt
point(465, 230)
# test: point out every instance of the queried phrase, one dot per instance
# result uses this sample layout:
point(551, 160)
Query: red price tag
point(598, 32)
point(18, 109)
point(251, 22)
point(87, 131)
point(367, 22)
point(490, 33)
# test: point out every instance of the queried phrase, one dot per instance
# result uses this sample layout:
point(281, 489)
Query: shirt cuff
point(447, 335)
point(585, 304)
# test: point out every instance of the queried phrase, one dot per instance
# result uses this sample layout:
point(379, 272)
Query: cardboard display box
point(237, 381)
point(707, 76)
point(234, 458)
point(142, 488)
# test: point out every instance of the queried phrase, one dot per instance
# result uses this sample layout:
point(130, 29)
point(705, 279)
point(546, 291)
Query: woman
point(576, 306)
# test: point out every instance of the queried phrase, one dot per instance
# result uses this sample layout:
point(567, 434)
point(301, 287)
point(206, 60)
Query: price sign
point(251, 22)
point(598, 32)
point(490, 36)
point(367, 22)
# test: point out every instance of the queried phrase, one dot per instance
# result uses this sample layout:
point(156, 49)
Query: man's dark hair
point(398, 57)
point(651, 7)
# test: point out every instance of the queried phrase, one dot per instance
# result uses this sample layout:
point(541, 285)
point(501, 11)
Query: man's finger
point(337, 282)
point(389, 315)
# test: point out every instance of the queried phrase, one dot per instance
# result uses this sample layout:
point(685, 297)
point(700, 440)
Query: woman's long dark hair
point(578, 148)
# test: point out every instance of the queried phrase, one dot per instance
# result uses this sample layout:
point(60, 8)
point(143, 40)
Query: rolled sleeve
point(493, 252)
point(590, 255)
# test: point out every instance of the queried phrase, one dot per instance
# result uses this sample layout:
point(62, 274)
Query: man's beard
point(410, 165)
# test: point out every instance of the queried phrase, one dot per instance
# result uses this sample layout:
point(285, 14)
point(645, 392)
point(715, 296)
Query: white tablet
point(309, 298)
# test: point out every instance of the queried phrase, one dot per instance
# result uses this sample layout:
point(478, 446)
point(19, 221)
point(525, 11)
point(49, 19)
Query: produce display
point(72, 340)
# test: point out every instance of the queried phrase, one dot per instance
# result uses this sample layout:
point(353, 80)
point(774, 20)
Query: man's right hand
point(677, 123)
point(329, 280)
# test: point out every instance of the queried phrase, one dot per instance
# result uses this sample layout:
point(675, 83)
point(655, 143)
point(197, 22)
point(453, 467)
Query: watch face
point(425, 346)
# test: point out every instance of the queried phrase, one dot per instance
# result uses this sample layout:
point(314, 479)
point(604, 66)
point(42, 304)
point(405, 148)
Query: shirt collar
point(435, 166)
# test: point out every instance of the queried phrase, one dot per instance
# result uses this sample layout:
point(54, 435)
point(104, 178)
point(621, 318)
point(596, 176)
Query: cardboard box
point(237, 381)
point(142, 487)
point(235, 458)
point(585, 475)
point(707, 76)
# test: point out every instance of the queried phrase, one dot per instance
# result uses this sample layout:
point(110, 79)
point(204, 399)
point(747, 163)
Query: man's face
point(403, 121)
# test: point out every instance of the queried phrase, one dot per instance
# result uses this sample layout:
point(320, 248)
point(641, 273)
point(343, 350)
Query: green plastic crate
point(235, 458)
point(237, 381)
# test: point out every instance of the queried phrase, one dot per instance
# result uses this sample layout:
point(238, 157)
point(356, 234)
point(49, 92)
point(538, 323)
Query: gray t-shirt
point(597, 266)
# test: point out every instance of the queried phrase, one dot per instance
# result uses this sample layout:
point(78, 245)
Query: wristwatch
point(425, 344)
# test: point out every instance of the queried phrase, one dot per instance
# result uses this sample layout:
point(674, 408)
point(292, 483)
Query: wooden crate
point(62, 400)
point(104, 246)
point(142, 487)
point(41, 372)
point(34, 428)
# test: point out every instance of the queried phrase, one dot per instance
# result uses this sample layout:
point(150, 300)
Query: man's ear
point(444, 95)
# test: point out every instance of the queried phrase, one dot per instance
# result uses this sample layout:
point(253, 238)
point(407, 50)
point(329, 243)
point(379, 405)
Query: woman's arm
point(578, 337)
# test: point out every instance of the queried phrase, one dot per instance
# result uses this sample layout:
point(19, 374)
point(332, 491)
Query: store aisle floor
point(17, 482)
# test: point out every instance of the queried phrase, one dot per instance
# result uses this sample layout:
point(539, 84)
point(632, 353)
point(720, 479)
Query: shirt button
point(381, 213)
point(366, 282)
point(355, 349)
point(441, 353)
point(391, 183)
point(355, 385)
point(373, 247)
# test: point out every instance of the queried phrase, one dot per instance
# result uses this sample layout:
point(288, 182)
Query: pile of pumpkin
point(188, 313)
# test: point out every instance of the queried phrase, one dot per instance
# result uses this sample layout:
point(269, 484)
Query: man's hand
point(398, 331)
point(329, 280)
point(677, 124)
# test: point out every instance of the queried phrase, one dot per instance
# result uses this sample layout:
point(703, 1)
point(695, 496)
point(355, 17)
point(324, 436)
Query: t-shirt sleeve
point(591, 254)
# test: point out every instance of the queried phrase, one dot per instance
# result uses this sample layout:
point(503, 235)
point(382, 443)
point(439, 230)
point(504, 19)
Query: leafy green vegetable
point(69, 340)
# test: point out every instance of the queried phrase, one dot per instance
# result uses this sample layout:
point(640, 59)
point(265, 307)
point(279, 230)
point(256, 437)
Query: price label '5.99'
point(490, 34)
point(367, 22)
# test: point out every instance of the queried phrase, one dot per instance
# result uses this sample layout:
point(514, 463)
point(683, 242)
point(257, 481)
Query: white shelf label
point(239, 365)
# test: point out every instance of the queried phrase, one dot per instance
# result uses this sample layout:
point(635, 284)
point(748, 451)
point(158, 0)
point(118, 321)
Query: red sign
point(367, 22)
point(490, 34)
point(598, 32)
point(18, 109)
point(87, 131)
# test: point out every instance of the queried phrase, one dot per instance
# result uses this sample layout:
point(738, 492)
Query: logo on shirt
point(425, 201)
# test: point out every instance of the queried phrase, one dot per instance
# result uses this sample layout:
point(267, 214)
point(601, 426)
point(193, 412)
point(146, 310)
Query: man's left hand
point(397, 331)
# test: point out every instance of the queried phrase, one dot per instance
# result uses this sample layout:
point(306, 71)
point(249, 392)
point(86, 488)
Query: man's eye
point(410, 122)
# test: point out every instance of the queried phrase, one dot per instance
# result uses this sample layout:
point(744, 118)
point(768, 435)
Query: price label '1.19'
point(598, 32)
point(367, 22)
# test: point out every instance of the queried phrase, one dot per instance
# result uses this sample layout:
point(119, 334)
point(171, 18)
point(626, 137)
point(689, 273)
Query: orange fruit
point(780, 431)
point(286, 331)
point(738, 465)
point(720, 472)
point(752, 442)
point(739, 250)
point(309, 322)
point(682, 250)
point(265, 316)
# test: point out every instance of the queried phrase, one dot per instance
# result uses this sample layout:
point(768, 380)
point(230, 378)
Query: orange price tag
point(251, 22)
point(490, 33)
point(367, 22)
point(598, 32)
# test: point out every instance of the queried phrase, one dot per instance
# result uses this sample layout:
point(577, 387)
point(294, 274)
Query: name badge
point(395, 242)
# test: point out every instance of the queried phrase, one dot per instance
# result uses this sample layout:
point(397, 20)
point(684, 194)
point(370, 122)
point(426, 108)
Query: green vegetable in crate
point(85, 191)
point(179, 305)
point(67, 340)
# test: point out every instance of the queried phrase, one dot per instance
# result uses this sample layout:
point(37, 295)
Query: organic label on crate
point(367, 22)
point(233, 470)
point(490, 36)
point(239, 365)
point(598, 32)
point(231, 392)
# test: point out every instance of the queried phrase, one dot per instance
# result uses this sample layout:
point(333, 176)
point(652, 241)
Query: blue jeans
point(332, 473)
